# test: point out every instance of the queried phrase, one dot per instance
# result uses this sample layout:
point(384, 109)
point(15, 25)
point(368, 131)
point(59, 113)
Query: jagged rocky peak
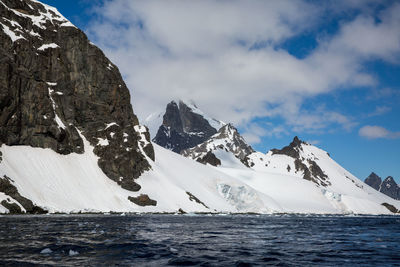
point(184, 126)
point(292, 150)
point(57, 88)
point(305, 161)
point(226, 139)
point(388, 186)
point(374, 181)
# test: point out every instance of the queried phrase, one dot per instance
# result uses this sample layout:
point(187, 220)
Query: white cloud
point(379, 110)
point(375, 132)
point(369, 37)
point(314, 142)
point(200, 50)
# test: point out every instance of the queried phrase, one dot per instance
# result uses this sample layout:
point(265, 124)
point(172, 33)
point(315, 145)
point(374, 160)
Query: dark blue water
point(238, 240)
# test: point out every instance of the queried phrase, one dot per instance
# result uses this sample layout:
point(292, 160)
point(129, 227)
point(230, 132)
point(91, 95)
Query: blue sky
point(327, 71)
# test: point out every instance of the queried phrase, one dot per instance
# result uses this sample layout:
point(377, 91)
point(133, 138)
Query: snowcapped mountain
point(388, 186)
point(70, 142)
point(226, 140)
point(184, 126)
point(297, 178)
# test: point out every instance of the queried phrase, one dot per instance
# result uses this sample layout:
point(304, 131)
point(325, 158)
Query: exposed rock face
point(292, 150)
point(56, 88)
point(10, 190)
point(374, 181)
point(184, 126)
point(194, 198)
point(209, 158)
point(311, 170)
point(143, 200)
point(391, 207)
point(388, 186)
point(228, 139)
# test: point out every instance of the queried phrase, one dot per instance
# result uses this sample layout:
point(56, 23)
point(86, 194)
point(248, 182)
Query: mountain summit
point(185, 126)
point(388, 186)
point(226, 140)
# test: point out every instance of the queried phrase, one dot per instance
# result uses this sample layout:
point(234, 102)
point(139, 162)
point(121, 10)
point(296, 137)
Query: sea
point(199, 240)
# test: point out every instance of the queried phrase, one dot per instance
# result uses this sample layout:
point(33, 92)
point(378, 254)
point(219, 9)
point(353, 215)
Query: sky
point(326, 71)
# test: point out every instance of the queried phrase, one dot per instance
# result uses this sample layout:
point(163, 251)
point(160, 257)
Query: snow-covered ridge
point(46, 14)
point(227, 139)
point(75, 183)
point(283, 174)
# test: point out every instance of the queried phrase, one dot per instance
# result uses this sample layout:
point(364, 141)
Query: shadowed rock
point(56, 86)
point(182, 128)
point(374, 181)
point(388, 186)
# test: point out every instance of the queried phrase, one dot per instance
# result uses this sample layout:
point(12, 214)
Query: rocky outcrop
point(184, 126)
point(292, 150)
point(373, 180)
point(193, 198)
point(390, 207)
point(308, 166)
point(227, 139)
point(209, 158)
point(57, 88)
point(143, 200)
point(388, 186)
point(11, 191)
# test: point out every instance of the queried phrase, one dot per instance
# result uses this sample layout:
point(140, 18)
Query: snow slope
point(276, 176)
point(74, 182)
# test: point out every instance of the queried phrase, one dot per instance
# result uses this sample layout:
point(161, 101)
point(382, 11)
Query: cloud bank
point(228, 57)
point(375, 132)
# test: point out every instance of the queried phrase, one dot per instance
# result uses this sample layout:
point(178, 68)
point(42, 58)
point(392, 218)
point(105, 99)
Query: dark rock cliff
point(182, 128)
point(388, 186)
point(374, 181)
point(56, 88)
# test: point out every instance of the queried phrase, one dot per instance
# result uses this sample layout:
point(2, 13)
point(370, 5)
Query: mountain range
point(70, 141)
point(388, 186)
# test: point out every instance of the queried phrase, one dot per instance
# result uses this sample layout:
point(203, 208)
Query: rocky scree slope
point(57, 88)
point(184, 126)
point(388, 186)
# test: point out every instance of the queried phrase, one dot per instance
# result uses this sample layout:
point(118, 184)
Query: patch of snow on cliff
point(56, 118)
point(13, 36)
point(46, 46)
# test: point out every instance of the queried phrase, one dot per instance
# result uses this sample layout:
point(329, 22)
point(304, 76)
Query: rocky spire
point(184, 126)
point(388, 186)
point(374, 181)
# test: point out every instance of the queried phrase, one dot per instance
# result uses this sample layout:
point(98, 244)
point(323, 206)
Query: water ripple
point(237, 240)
